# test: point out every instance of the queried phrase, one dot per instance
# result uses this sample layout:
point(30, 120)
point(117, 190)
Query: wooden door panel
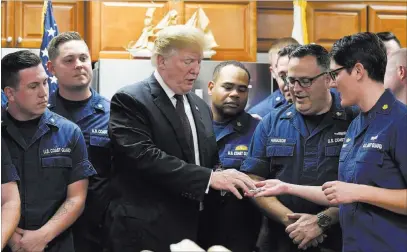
point(274, 21)
point(329, 21)
point(7, 24)
point(233, 25)
point(389, 17)
point(69, 16)
point(115, 24)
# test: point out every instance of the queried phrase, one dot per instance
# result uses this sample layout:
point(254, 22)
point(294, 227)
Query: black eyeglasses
point(304, 82)
point(284, 79)
point(334, 73)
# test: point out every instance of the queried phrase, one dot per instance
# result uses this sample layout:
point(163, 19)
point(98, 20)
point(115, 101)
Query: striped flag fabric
point(300, 32)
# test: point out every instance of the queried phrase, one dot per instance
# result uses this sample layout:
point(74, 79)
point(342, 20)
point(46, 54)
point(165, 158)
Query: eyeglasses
point(334, 73)
point(283, 78)
point(304, 82)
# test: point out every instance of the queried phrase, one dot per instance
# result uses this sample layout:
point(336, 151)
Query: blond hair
point(176, 37)
point(279, 44)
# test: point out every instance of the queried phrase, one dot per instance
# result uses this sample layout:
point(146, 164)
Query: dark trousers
point(230, 222)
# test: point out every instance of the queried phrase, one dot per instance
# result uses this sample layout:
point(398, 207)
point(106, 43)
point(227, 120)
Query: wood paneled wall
point(328, 21)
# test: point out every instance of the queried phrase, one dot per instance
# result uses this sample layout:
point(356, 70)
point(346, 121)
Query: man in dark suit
point(164, 150)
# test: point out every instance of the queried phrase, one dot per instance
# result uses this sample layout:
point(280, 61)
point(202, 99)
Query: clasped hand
point(27, 241)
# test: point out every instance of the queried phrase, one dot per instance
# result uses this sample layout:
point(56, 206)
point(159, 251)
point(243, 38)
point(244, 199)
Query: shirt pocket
point(99, 141)
point(333, 151)
point(233, 155)
point(56, 170)
point(99, 154)
point(235, 163)
point(281, 157)
point(368, 166)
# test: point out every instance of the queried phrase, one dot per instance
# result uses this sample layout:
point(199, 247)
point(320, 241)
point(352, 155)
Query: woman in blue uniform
point(372, 187)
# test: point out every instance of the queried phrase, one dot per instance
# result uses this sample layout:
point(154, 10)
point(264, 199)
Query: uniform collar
point(337, 111)
point(238, 124)
point(95, 101)
point(241, 122)
point(278, 99)
point(384, 104)
point(47, 118)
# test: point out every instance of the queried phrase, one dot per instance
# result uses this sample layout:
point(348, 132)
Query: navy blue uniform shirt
point(8, 170)
point(374, 153)
point(54, 158)
point(283, 148)
point(92, 117)
point(233, 140)
point(275, 100)
point(225, 219)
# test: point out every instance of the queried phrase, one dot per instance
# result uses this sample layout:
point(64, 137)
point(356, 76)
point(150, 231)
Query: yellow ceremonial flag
point(300, 32)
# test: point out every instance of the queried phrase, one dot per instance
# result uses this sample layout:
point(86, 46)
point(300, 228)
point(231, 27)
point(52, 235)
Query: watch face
point(323, 222)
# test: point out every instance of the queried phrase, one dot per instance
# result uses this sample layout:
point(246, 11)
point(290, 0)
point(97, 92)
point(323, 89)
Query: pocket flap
point(232, 163)
point(56, 161)
point(333, 151)
point(370, 156)
point(280, 150)
point(100, 141)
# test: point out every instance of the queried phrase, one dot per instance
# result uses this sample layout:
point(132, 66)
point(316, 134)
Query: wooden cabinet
point(21, 21)
point(384, 16)
point(7, 24)
point(233, 25)
point(274, 20)
point(329, 21)
point(113, 25)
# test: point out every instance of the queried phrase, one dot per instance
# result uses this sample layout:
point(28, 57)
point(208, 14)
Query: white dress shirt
point(188, 111)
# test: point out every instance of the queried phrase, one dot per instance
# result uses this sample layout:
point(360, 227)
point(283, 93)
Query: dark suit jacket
point(159, 189)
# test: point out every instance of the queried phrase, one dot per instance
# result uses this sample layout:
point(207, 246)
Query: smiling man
point(301, 144)
point(228, 221)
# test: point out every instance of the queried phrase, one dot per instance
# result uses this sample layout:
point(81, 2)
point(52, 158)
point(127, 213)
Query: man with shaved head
point(396, 74)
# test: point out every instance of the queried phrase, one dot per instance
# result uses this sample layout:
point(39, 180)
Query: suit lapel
point(163, 102)
point(199, 125)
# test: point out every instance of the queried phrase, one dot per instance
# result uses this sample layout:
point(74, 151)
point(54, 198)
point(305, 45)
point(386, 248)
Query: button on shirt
point(375, 153)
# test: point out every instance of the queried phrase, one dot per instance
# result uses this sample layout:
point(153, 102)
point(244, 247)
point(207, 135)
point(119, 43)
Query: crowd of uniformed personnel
point(319, 165)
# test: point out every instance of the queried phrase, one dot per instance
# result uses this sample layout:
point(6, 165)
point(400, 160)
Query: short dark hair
point(365, 48)
point(287, 50)
point(61, 38)
point(319, 52)
point(387, 36)
point(221, 65)
point(11, 65)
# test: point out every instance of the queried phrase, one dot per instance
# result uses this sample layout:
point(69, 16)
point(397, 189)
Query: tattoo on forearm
point(68, 204)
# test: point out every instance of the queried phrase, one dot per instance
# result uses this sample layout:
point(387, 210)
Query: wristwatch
point(324, 221)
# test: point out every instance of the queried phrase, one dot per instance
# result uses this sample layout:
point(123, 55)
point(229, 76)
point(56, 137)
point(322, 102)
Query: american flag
point(49, 30)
